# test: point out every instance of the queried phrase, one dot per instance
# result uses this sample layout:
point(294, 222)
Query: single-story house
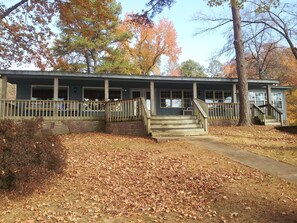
point(131, 104)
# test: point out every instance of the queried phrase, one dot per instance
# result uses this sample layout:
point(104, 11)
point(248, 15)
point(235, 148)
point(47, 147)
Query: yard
point(116, 179)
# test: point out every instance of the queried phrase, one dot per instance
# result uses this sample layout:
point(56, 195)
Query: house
point(139, 105)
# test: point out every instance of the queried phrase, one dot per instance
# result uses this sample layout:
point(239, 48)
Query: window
point(188, 96)
point(176, 98)
point(218, 96)
point(115, 94)
point(97, 94)
point(165, 99)
point(94, 94)
point(257, 98)
point(47, 93)
point(277, 100)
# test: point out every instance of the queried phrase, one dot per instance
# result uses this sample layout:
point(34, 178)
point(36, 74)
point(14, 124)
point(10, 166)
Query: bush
point(28, 156)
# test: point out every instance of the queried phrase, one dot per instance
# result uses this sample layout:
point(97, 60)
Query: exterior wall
point(284, 105)
point(23, 91)
point(70, 126)
point(135, 128)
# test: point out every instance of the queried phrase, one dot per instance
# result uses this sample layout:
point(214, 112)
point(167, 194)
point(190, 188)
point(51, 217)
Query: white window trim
point(49, 86)
point(170, 90)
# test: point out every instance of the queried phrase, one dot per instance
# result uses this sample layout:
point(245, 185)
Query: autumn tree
point(89, 35)
point(215, 69)
point(150, 44)
point(191, 68)
point(25, 32)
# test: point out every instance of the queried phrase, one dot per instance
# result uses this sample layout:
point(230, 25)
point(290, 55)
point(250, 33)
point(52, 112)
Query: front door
point(142, 93)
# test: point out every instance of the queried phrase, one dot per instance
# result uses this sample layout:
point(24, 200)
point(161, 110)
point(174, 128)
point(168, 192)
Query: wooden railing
point(200, 111)
point(223, 111)
point(146, 116)
point(51, 110)
point(124, 110)
point(272, 111)
point(258, 115)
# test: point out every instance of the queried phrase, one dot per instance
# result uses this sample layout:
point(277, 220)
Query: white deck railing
point(51, 110)
point(223, 111)
point(124, 110)
point(200, 110)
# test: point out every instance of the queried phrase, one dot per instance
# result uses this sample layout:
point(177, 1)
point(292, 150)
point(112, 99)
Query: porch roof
point(13, 75)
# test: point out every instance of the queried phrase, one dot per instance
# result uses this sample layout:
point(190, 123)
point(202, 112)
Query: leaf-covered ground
point(129, 179)
point(263, 140)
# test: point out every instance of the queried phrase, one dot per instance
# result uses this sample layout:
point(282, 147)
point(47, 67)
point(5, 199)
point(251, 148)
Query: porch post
point(56, 88)
point(234, 96)
point(106, 90)
point(268, 93)
point(194, 90)
point(4, 87)
point(152, 92)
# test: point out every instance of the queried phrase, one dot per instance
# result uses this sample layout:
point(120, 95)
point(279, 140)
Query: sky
point(199, 48)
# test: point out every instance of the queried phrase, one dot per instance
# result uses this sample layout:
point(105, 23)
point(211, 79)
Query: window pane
point(176, 94)
point(209, 96)
point(176, 103)
point(277, 100)
point(93, 94)
point(165, 94)
point(227, 97)
point(187, 103)
point(188, 94)
point(165, 103)
point(115, 94)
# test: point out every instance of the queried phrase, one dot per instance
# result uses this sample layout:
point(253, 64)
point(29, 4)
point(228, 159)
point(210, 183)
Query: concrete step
point(178, 132)
point(173, 121)
point(173, 117)
point(175, 126)
point(272, 122)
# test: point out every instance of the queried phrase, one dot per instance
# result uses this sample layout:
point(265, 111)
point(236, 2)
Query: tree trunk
point(244, 109)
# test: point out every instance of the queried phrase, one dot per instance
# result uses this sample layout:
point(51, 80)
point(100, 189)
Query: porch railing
point(123, 110)
point(223, 111)
point(258, 116)
point(271, 111)
point(200, 110)
point(146, 116)
point(51, 110)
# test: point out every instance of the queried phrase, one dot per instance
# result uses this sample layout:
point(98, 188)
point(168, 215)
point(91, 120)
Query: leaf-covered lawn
point(129, 179)
point(263, 140)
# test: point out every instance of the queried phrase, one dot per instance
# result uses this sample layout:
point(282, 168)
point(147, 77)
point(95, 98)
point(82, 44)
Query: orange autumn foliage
point(149, 44)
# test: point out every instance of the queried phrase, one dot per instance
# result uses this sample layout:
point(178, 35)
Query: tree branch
point(12, 8)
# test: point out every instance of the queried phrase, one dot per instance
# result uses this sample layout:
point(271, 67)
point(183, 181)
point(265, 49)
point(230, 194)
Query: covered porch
point(114, 98)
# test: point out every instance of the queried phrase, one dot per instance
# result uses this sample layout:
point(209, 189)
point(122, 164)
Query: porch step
point(171, 126)
point(272, 122)
point(178, 132)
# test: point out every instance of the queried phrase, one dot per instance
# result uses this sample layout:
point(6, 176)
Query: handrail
point(123, 110)
point(258, 116)
point(146, 116)
point(50, 109)
point(200, 113)
point(271, 110)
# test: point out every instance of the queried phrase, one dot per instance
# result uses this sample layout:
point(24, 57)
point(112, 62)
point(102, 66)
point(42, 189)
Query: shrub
point(28, 156)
